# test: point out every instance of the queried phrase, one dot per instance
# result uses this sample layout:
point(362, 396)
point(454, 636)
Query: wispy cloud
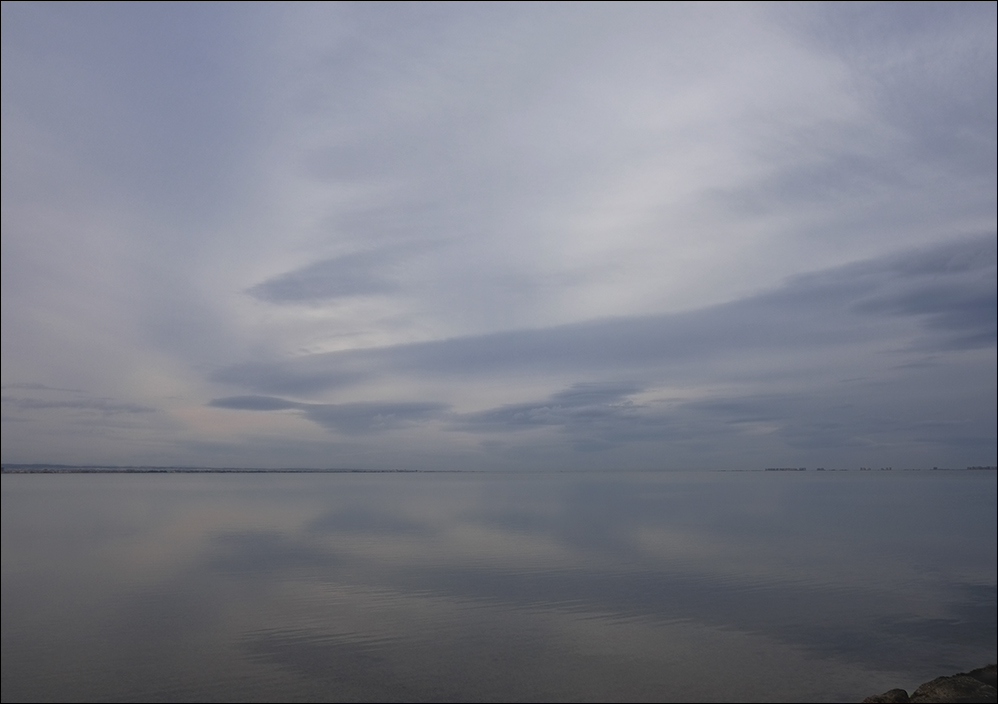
point(90, 404)
point(349, 418)
point(349, 275)
point(948, 292)
point(451, 221)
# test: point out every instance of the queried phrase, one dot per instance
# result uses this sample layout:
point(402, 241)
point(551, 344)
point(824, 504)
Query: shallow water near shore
point(716, 586)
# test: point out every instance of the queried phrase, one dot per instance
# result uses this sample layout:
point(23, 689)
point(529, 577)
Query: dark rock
point(894, 696)
point(958, 688)
point(987, 675)
point(974, 686)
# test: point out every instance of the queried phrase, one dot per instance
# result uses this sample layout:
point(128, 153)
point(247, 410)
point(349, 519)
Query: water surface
point(397, 587)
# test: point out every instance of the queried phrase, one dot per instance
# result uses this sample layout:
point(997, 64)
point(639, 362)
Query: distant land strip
point(117, 469)
point(71, 469)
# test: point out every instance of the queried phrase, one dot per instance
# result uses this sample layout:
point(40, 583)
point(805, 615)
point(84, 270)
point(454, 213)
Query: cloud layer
point(494, 236)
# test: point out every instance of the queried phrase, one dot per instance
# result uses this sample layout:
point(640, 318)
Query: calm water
point(710, 587)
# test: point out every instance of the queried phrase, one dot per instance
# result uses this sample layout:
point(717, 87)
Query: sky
point(481, 236)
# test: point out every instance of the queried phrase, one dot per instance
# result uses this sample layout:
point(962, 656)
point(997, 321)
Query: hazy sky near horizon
point(476, 236)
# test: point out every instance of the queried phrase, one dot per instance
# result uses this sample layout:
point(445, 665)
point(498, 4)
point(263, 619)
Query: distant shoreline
point(68, 469)
point(111, 469)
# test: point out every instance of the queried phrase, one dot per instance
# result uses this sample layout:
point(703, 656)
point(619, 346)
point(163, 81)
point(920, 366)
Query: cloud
point(821, 420)
point(347, 418)
point(350, 275)
point(847, 359)
point(254, 403)
point(34, 386)
point(911, 410)
point(356, 418)
point(948, 290)
point(600, 415)
point(951, 287)
point(300, 379)
point(490, 209)
point(101, 405)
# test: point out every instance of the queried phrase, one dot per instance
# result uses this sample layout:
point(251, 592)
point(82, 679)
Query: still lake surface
point(719, 586)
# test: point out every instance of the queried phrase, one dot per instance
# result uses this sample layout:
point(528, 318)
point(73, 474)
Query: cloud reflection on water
point(447, 585)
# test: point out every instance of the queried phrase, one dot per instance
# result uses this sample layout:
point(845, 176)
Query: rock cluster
point(974, 686)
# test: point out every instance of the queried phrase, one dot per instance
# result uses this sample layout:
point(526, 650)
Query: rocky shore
point(975, 686)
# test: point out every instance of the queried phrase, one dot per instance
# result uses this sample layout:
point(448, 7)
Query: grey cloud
point(924, 152)
point(952, 287)
point(102, 405)
point(943, 94)
point(912, 409)
point(379, 155)
point(299, 378)
point(34, 386)
point(254, 403)
point(489, 168)
point(965, 315)
point(824, 420)
point(350, 275)
point(950, 290)
point(585, 403)
point(188, 110)
point(800, 420)
point(347, 418)
point(972, 254)
point(596, 416)
point(360, 418)
point(581, 395)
